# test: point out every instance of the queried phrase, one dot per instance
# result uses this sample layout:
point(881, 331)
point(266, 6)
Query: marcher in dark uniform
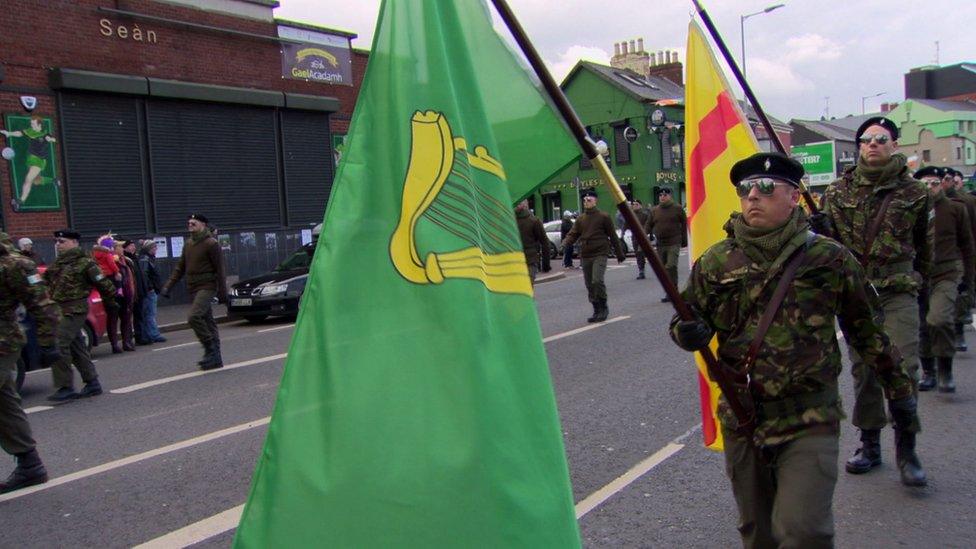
point(71, 279)
point(535, 243)
point(881, 214)
point(783, 478)
point(21, 284)
point(594, 229)
point(952, 273)
point(564, 229)
point(964, 304)
point(203, 265)
point(669, 225)
point(643, 215)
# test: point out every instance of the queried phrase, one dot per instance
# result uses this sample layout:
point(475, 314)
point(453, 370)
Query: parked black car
point(276, 293)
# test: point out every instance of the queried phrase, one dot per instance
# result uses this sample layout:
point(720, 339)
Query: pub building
point(127, 115)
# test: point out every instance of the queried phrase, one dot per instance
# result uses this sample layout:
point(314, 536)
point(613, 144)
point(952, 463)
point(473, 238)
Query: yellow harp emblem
point(439, 189)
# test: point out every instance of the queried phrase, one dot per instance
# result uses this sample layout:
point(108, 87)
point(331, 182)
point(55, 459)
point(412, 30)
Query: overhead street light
point(869, 97)
point(742, 30)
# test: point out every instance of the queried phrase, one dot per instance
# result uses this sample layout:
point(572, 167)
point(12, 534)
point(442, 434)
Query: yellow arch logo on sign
point(308, 52)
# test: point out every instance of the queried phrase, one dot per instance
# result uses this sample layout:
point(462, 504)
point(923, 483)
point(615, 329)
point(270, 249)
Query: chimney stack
point(616, 49)
point(623, 48)
point(640, 45)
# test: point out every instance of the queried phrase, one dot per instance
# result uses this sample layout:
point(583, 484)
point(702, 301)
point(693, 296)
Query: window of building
point(958, 153)
point(621, 148)
point(584, 162)
point(926, 155)
point(970, 126)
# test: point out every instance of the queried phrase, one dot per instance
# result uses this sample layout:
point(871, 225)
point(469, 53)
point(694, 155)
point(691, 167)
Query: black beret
point(953, 172)
point(877, 121)
point(664, 190)
point(67, 233)
point(764, 164)
point(199, 217)
point(930, 171)
point(589, 193)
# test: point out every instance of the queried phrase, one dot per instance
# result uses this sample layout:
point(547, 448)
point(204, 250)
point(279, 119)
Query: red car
point(93, 333)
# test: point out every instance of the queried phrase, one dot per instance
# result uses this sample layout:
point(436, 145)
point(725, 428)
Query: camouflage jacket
point(21, 284)
point(793, 382)
point(901, 256)
point(71, 279)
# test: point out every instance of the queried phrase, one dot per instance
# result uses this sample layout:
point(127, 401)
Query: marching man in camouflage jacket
point(783, 478)
point(20, 284)
point(881, 214)
point(71, 278)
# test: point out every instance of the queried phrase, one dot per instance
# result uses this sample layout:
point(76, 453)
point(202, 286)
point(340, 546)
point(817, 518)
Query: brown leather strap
point(875, 228)
point(789, 272)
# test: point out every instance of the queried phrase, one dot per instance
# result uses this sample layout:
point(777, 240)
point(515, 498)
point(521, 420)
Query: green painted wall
point(912, 117)
point(600, 105)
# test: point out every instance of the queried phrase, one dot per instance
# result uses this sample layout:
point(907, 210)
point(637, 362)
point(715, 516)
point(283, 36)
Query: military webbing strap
point(789, 272)
point(875, 228)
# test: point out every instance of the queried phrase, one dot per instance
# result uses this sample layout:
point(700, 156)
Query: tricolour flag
point(416, 407)
point(717, 136)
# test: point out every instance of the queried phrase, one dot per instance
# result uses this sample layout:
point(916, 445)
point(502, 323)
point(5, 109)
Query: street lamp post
point(742, 30)
point(869, 97)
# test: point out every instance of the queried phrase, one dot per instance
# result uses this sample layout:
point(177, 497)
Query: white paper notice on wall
point(306, 236)
point(162, 250)
point(176, 243)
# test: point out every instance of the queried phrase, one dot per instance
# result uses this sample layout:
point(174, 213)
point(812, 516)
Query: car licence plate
point(240, 303)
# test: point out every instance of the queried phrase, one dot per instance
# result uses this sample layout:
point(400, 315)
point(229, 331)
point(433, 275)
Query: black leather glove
point(49, 355)
point(692, 335)
point(963, 288)
point(110, 304)
point(819, 224)
point(904, 413)
point(621, 258)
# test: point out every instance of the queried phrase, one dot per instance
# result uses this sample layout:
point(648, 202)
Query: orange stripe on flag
point(712, 143)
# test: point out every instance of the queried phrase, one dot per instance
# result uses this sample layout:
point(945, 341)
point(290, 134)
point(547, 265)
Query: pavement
point(166, 455)
point(172, 318)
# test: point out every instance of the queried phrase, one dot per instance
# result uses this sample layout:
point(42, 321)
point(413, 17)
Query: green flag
point(416, 407)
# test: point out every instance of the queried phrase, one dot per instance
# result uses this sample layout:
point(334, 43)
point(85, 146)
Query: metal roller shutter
point(104, 163)
point(218, 160)
point(307, 152)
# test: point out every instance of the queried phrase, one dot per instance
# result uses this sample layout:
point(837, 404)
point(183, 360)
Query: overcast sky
point(796, 55)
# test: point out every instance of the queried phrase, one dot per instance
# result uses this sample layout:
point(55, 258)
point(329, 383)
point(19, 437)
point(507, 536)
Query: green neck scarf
point(199, 235)
point(667, 204)
point(874, 175)
point(764, 245)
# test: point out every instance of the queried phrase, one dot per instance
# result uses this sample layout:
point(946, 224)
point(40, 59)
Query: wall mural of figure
point(33, 168)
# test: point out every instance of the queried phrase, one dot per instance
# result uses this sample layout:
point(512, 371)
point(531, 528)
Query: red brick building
point(147, 110)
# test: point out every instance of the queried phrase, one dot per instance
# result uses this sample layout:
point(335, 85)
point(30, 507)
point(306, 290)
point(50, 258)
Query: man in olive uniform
point(952, 270)
point(881, 214)
point(203, 265)
point(594, 229)
point(642, 214)
point(669, 225)
point(21, 284)
point(783, 475)
point(964, 304)
point(70, 280)
point(533, 236)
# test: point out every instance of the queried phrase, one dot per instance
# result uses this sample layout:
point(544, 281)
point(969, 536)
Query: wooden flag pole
point(745, 417)
point(773, 136)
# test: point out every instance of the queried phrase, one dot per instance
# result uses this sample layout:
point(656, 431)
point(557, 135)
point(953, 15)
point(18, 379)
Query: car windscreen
point(295, 262)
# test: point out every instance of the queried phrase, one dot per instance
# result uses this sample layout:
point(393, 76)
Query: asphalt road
point(163, 455)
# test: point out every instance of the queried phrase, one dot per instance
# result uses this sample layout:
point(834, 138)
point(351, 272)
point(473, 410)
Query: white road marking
point(198, 531)
point(98, 469)
point(597, 498)
point(276, 328)
point(229, 519)
point(155, 382)
point(34, 409)
point(584, 328)
point(177, 346)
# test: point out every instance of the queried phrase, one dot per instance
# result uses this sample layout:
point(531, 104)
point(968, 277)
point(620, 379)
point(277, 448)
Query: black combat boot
point(208, 351)
point(63, 394)
point(909, 466)
point(961, 338)
point(596, 312)
point(216, 361)
point(640, 275)
point(868, 455)
point(603, 311)
point(92, 388)
point(946, 385)
point(29, 472)
point(928, 374)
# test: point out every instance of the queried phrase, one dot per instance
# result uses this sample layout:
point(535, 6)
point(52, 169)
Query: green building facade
point(641, 119)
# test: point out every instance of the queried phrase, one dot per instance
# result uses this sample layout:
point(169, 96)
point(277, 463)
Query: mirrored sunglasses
point(878, 138)
point(766, 185)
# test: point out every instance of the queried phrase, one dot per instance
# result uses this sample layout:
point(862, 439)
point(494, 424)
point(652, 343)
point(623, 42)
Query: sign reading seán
point(320, 57)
